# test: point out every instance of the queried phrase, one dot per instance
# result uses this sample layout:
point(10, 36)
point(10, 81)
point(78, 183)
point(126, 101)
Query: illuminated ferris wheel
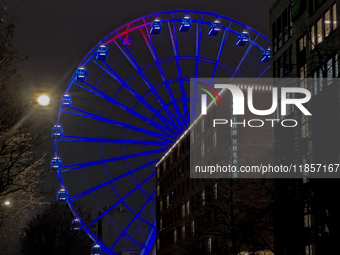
point(127, 102)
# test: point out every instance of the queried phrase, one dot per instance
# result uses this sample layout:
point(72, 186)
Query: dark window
point(274, 36)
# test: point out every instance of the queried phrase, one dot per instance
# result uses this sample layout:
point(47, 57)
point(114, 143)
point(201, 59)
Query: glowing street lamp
point(43, 100)
point(7, 203)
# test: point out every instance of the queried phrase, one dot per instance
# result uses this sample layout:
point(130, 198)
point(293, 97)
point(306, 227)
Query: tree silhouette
point(22, 131)
point(49, 232)
point(235, 218)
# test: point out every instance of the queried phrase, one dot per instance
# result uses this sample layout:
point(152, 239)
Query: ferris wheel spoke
point(262, 73)
point(245, 54)
point(133, 240)
point(161, 72)
point(148, 211)
point(143, 76)
point(198, 47)
point(86, 114)
point(97, 162)
point(173, 37)
point(122, 199)
point(139, 217)
point(81, 139)
point(124, 107)
point(115, 76)
point(134, 218)
point(224, 39)
point(82, 194)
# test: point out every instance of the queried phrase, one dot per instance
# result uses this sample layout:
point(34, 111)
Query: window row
point(175, 235)
point(205, 146)
point(323, 27)
point(282, 30)
point(324, 74)
point(174, 215)
point(283, 64)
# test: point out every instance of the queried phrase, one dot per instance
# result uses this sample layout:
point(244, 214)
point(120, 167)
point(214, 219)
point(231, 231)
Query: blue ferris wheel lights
point(81, 74)
point(66, 100)
point(185, 24)
point(242, 39)
point(156, 27)
point(265, 57)
point(56, 163)
point(76, 224)
point(62, 195)
point(57, 131)
point(96, 250)
point(159, 125)
point(215, 28)
point(102, 52)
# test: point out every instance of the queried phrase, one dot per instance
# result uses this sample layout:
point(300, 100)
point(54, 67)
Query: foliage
point(49, 232)
point(237, 217)
point(22, 132)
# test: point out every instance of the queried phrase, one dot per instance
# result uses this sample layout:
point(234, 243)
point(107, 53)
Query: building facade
point(215, 216)
point(305, 41)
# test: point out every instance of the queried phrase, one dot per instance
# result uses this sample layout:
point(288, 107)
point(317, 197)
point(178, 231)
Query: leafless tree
point(22, 130)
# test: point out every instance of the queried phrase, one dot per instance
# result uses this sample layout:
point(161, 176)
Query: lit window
point(202, 149)
point(327, 23)
point(158, 189)
point(202, 126)
point(335, 20)
point(307, 217)
point(320, 79)
point(160, 206)
point(164, 166)
point(315, 76)
point(312, 35)
point(288, 107)
point(336, 66)
point(175, 235)
point(329, 71)
point(214, 138)
point(158, 243)
point(308, 250)
point(319, 30)
point(304, 126)
point(188, 207)
point(157, 172)
point(183, 210)
point(302, 43)
point(193, 227)
point(167, 200)
point(160, 224)
point(209, 244)
point(192, 136)
point(203, 197)
point(183, 232)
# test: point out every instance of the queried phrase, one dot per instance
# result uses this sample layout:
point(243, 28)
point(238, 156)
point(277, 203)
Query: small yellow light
point(44, 100)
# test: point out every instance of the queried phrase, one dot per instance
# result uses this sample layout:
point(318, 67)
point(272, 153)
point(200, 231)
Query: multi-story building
point(305, 41)
point(214, 216)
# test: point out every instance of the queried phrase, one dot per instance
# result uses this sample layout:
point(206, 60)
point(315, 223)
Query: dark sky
point(56, 35)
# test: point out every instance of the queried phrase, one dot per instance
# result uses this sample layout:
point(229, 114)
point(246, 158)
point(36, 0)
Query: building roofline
point(193, 123)
point(274, 5)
